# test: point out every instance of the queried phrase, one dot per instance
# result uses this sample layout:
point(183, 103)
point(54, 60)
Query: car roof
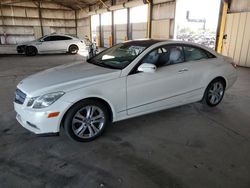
point(56, 34)
point(151, 42)
point(142, 42)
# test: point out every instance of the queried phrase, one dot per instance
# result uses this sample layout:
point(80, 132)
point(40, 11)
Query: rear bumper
point(231, 79)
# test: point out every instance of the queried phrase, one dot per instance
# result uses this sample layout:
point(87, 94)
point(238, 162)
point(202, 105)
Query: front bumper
point(37, 121)
point(20, 49)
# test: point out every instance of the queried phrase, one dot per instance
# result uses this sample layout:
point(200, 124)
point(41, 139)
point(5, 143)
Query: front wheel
point(86, 120)
point(30, 51)
point(214, 92)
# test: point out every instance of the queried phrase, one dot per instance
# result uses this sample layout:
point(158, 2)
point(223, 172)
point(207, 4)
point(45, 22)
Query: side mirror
point(147, 67)
point(41, 40)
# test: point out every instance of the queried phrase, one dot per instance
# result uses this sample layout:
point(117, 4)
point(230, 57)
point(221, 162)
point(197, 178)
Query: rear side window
point(56, 38)
point(53, 38)
point(63, 38)
point(194, 54)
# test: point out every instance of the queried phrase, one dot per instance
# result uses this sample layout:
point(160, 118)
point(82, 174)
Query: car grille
point(19, 96)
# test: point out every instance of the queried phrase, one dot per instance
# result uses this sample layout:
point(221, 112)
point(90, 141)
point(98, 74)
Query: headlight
point(31, 101)
point(44, 100)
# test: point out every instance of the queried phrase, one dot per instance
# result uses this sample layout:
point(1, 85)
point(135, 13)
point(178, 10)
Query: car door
point(58, 43)
point(52, 44)
point(200, 62)
point(164, 88)
point(44, 44)
point(65, 42)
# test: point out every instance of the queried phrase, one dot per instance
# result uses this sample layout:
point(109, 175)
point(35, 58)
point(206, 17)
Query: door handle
point(183, 70)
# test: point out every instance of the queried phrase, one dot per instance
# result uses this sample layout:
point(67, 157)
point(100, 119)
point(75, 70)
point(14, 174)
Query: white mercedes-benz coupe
point(54, 43)
point(127, 80)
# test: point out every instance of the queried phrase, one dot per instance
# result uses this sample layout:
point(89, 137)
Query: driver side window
point(165, 55)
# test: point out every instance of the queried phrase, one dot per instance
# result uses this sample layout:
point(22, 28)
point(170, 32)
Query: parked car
point(54, 43)
point(127, 80)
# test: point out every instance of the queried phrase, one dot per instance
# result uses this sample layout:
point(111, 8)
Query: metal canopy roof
point(72, 4)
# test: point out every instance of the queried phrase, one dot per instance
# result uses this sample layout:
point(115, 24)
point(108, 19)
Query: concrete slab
point(189, 146)
point(8, 49)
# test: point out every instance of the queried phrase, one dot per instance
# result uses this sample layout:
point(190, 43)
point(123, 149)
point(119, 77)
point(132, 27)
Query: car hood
point(66, 77)
point(28, 43)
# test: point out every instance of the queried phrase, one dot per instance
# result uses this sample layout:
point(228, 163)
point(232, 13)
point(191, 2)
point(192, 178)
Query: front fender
point(113, 92)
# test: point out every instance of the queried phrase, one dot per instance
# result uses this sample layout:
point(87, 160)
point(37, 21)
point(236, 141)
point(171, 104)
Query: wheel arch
point(31, 45)
point(109, 106)
point(29, 52)
point(220, 78)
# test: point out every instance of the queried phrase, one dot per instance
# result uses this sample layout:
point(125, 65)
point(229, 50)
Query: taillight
point(234, 65)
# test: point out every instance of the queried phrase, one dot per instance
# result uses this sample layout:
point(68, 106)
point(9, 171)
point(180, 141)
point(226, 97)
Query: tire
point(82, 123)
point(214, 92)
point(30, 51)
point(73, 49)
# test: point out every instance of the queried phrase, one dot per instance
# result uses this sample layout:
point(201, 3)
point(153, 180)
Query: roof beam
point(104, 4)
point(61, 4)
point(15, 2)
point(79, 3)
point(56, 2)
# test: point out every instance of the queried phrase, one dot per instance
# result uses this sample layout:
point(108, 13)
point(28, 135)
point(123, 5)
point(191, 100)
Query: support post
point(112, 38)
point(112, 29)
point(100, 31)
point(76, 25)
point(128, 24)
point(222, 27)
point(150, 6)
point(4, 26)
point(90, 29)
point(40, 17)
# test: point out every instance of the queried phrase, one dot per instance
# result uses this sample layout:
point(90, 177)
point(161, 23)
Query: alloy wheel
point(215, 93)
point(88, 121)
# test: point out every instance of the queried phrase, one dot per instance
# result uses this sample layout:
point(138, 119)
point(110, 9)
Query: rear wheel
point(86, 120)
point(214, 92)
point(30, 51)
point(73, 49)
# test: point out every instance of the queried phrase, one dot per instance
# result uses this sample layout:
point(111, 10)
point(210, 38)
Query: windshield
point(118, 57)
point(41, 38)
